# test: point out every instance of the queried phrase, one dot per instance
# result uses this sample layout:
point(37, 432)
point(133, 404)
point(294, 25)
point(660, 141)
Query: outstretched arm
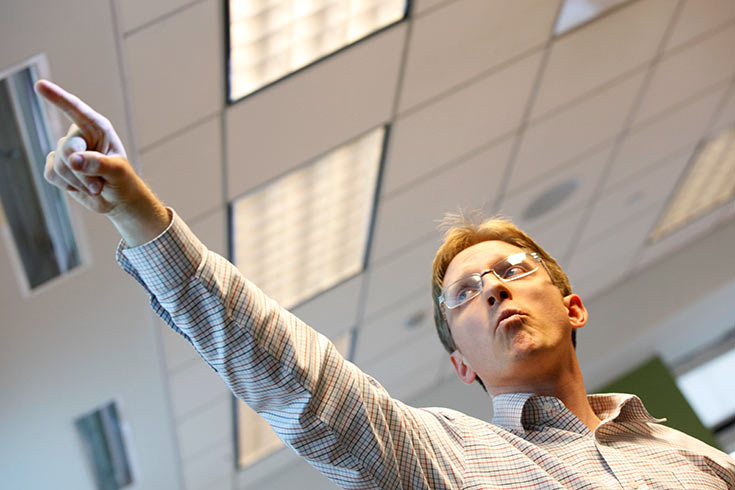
point(91, 165)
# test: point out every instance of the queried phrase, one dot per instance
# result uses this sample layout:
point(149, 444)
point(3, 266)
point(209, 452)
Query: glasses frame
point(534, 255)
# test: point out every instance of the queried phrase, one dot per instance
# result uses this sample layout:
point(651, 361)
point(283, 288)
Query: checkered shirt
point(348, 427)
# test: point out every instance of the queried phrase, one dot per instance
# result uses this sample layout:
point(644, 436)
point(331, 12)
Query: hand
point(90, 161)
point(90, 164)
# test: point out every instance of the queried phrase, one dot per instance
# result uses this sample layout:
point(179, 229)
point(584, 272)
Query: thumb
point(110, 168)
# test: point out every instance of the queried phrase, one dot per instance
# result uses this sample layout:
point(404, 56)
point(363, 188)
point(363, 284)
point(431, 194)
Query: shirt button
point(548, 406)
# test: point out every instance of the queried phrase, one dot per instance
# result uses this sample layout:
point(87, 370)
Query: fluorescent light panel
point(271, 38)
point(709, 182)
point(574, 13)
point(308, 230)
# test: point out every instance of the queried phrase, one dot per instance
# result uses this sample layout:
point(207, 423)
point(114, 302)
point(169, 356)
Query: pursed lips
point(507, 313)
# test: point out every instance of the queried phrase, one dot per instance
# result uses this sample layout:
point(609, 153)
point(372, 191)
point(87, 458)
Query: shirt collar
point(522, 411)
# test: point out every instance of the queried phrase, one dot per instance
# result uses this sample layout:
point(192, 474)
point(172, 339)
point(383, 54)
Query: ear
point(576, 310)
point(462, 367)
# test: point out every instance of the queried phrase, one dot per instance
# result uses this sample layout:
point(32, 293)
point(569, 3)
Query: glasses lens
point(463, 290)
point(515, 266)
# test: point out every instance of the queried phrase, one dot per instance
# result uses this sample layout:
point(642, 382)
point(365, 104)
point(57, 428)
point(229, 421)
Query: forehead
point(477, 258)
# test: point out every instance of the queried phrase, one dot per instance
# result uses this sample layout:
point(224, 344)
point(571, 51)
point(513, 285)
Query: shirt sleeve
point(322, 406)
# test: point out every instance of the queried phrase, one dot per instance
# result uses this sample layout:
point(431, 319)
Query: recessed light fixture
point(270, 39)
point(308, 230)
point(551, 198)
point(708, 182)
point(574, 13)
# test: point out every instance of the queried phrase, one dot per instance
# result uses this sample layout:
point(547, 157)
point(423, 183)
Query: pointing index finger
point(72, 106)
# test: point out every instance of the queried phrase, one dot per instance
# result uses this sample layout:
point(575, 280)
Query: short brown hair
point(463, 232)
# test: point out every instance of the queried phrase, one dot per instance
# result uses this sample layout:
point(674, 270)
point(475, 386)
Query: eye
point(514, 271)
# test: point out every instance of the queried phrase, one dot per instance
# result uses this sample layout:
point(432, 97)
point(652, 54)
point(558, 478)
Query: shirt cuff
point(168, 261)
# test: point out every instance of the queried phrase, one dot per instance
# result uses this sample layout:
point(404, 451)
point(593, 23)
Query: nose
point(494, 290)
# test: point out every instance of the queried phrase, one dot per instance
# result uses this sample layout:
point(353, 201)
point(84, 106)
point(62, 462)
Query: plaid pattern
point(348, 427)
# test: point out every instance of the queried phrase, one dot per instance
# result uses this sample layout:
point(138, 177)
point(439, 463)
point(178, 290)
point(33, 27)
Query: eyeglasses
point(510, 268)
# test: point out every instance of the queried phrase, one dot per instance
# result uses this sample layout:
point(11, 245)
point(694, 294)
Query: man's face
point(513, 334)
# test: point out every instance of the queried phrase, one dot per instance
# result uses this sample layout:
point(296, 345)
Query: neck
point(565, 384)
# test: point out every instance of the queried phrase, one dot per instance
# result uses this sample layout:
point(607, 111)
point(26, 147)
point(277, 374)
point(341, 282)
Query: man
point(504, 311)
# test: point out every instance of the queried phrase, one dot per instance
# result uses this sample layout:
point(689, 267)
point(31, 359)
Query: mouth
point(508, 313)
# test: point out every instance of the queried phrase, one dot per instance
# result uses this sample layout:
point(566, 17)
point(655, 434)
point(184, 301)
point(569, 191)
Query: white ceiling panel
point(176, 76)
point(401, 276)
point(421, 6)
point(206, 428)
point(212, 229)
point(726, 115)
point(196, 153)
point(596, 53)
point(573, 131)
point(686, 73)
point(557, 237)
point(635, 196)
point(177, 351)
point(313, 111)
point(717, 218)
point(426, 139)
point(413, 212)
point(135, 13)
point(584, 174)
point(194, 387)
point(602, 262)
point(462, 39)
point(334, 311)
point(411, 369)
point(699, 16)
point(389, 331)
point(663, 137)
point(209, 468)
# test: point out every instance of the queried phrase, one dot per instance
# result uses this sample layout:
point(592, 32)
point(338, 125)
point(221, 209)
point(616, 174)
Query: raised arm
point(338, 418)
point(91, 165)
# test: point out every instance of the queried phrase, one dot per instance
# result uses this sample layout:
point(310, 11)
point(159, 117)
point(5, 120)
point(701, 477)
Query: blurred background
point(317, 144)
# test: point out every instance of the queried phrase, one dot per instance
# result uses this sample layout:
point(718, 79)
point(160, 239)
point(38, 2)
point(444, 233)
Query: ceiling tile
point(635, 196)
point(602, 262)
point(313, 111)
point(664, 136)
point(410, 370)
point(602, 50)
point(175, 77)
point(583, 177)
point(421, 6)
point(414, 211)
point(686, 73)
point(557, 235)
point(389, 331)
point(178, 352)
point(206, 428)
point(212, 229)
point(426, 139)
point(194, 387)
point(680, 238)
point(699, 16)
point(334, 311)
point(726, 115)
point(135, 13)
point(462, 39)
point(573, 131)
point(189, 164)
point(401, 276)
point(210, 467)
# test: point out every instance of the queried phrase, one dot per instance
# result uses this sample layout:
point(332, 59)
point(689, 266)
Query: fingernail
point(76, 160)
point(93, 187)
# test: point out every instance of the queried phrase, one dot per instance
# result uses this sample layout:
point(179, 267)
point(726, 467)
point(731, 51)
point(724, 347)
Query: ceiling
point(486, 110)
